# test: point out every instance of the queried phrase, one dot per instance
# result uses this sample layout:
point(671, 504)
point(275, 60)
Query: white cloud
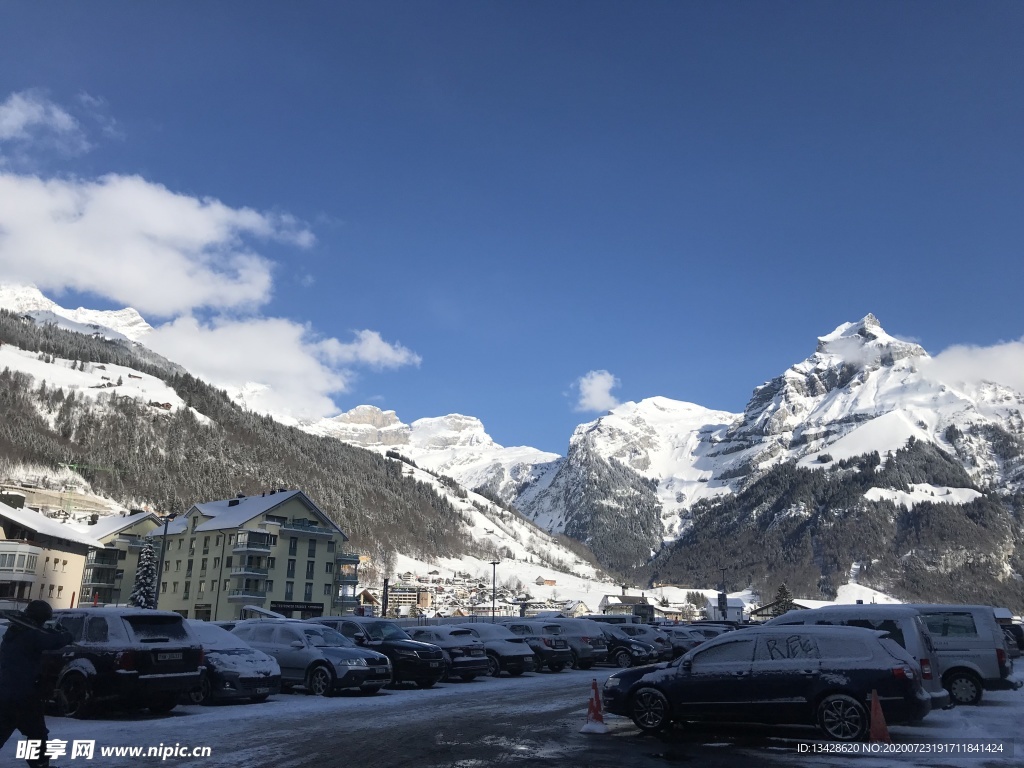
point(369, 349)
point(136, 243)
point(595, 388)
point(30, 116)
point(1002, 363)
point(282, 366)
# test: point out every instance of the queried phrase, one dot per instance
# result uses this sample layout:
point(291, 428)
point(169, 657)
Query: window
point(327, 590)
point(195, 522)
point(312, 548)
point(227, 583)
point(231, 538)
point(307, 594)
point(202, 567)
point(188, 569)
point(55, 564)
point(951, 624)
point(289, 588)
point(122, 554)
point(262, 634)
point(206, 542)
point(270, 585)
point(63, 565)
point(330, 545)
point(184, 592)
point(96, 630)
point(177, 565)
point(74, 624)
point(174, 587)
point(733, 652)
point(180, 542)
point(192, 546)
point(330, 567)
point(271, 562)
point(216, 542)
point(310, 568)
point(291, 569)
point(202, 587)
point(50, 593)
point(293, 546)
point(163, 587)
point(795, 647)
point(216, 562)
point(228, 561)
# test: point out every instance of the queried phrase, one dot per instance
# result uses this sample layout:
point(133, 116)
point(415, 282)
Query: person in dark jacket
point(21, 655)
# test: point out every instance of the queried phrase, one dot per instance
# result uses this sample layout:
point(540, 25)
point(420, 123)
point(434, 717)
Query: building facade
point(110, 572)
point(40, 558)
point(277, 551)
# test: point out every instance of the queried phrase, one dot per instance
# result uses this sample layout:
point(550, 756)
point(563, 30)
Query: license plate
point(262, 690)
point(168, 656)
point(435, 663)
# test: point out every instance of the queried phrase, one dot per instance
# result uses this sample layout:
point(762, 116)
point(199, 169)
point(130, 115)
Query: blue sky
point(470, 206)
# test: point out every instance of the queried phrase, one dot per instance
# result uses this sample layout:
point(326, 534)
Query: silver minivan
point(971, 650)
point(904, 624)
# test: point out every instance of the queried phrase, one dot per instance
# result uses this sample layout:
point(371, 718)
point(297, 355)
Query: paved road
point(532, 722)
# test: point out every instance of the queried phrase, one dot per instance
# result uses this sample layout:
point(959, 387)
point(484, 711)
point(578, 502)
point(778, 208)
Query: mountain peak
point(865, 343)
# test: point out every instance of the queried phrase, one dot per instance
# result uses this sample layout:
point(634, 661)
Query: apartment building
point(110, 572)
point(276, 551)
point(40, 558)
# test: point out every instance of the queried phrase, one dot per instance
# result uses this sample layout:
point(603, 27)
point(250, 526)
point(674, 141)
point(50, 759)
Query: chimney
point(240, 496)
point(233, 503)
point(272, 491)
point(93, 519)
point(860, 602)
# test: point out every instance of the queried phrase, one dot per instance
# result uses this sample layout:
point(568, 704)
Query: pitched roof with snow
point(233, 513)
point(47, 526)
point(111, 524)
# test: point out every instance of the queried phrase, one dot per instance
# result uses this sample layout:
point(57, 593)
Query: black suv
point(411, 660)
point(550, 646)
point(625, 651)
point(126, 656)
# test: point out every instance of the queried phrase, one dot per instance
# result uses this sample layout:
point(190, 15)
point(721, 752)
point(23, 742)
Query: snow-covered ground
point(921, 492)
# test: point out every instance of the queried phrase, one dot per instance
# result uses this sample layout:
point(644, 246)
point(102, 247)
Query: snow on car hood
point(248, 663)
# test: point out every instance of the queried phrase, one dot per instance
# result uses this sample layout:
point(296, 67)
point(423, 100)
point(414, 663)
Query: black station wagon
point(813, 675)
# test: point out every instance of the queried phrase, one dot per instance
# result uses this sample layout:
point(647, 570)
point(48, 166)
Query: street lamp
point(494, 575)
point(160, 562)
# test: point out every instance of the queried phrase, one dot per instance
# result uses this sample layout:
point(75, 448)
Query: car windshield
point(216, 638)
point(382, 630)
point(326, 638)
point(492, 632)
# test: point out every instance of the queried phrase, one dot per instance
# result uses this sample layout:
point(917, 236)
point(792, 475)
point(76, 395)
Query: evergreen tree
point(144, 591)
point(783, 601)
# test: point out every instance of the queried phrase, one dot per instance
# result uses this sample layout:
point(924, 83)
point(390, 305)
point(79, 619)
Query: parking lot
point(533, 720)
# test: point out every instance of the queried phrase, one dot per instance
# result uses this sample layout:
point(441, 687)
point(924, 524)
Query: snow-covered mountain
point(28, 300)
point(861, 391)
point(453, 445)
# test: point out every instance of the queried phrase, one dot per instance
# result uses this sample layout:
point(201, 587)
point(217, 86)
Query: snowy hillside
point(120, 323)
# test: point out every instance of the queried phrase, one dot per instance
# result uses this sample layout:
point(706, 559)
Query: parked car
point(614, 618)
point(316, 657)
point(464, 654)
point(648, 634)
point(586, 641)
point(411, 660)
point(903, 624)
point(684, 638)
point(550, 647)
point(122, 656)
point(625, 651)
point(811, 675)
point(234, 669)
point(971, 649)
point(1014, 632)
point(506, 651)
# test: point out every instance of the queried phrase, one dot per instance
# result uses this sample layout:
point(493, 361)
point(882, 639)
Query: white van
point(905, 625)
point(971, 650)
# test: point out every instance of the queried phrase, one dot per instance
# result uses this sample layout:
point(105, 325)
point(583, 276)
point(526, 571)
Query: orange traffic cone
point(595, 718)
point(879, 730)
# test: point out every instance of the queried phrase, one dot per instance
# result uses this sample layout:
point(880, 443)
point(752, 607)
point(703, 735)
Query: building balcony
point(102, 557)
point(345, 578)
point(100, 579)
point(247, 596)
point(250, 570)
point(250, 541)
point(306, 529)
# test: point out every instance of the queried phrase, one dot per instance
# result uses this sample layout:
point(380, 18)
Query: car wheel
point(585, 664)
point(649, 710)
point(163, 704)
point(575, 660)
point(515, 672)
point(964, 688)
point(842, 718)
point(369, 690)
point(493, 666)
point(74, 696)
point(203, 694)
point(320, 681)
point(260, 698)
point(468, 678)
point(556, 666)
point(425, 683)
point(624, 659)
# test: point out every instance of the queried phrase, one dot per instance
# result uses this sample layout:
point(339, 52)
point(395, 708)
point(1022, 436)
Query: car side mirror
point(686, 666)
point(297, 644)
point(360, 639)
